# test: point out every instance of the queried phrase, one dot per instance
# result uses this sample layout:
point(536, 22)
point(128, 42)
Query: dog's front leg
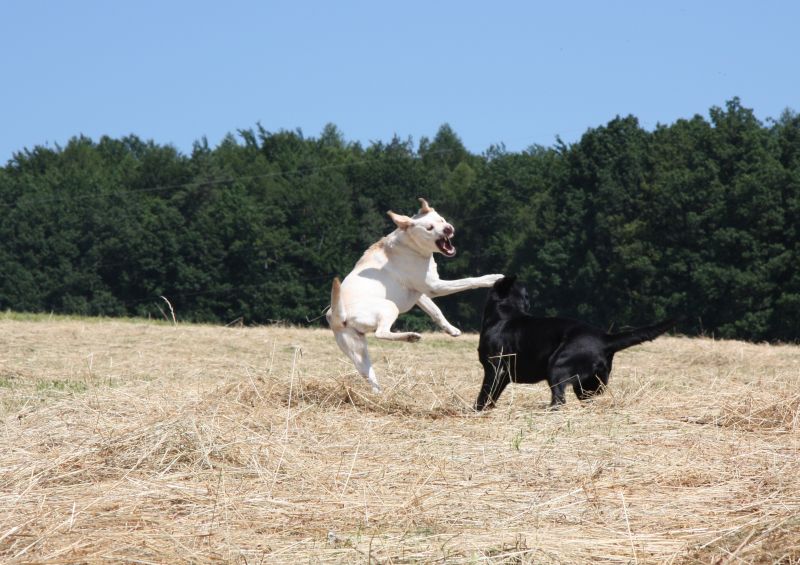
point(438, 287)
point(496, 377)
point(431, 309)
point(558, 382)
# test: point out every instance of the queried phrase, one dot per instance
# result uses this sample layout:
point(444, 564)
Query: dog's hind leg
point(354, 345)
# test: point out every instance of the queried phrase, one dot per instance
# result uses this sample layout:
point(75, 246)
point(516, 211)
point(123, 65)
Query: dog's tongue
point(447, 248)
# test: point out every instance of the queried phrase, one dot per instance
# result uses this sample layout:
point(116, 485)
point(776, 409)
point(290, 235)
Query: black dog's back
point(517, 347)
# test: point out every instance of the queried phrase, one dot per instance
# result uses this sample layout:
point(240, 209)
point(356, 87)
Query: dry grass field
point(141, 442)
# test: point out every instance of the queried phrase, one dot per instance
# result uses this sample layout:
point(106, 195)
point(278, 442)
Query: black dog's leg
point(495, 380)
point(557, 387)
point(560, 372)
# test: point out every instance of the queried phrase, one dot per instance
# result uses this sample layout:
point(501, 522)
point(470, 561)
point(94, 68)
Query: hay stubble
point(129, 441)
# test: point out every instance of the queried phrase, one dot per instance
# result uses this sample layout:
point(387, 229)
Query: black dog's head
point(506, 298)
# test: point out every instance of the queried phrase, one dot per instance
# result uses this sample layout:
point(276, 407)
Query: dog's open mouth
point(446, 247)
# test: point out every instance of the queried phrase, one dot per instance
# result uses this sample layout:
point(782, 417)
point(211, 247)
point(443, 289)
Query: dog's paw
point(453, 331)
point(489, 280)
point(413, 336)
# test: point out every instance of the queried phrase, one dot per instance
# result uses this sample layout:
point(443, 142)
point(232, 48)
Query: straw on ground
point(146, 442)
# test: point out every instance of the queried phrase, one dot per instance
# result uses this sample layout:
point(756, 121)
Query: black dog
point(516, 347)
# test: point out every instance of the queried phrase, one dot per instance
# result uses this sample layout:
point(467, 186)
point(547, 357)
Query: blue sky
point(513, 72)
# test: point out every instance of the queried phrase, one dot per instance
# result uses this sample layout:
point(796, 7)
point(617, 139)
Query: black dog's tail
point(619, 341)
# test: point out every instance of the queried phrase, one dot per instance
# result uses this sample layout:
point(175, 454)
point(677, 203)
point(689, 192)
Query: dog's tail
point(622, 340)
point(337, 317)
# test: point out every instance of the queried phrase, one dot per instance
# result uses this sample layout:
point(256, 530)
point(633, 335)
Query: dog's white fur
point(391, 277)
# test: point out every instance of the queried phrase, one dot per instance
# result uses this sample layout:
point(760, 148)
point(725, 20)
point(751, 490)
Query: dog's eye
point(429, 228)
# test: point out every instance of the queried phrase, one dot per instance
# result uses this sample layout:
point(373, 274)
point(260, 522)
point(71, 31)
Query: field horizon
point(147, 442)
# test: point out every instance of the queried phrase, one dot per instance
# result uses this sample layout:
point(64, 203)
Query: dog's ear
point(503, 286)
point(402, 222)
point(424, 208)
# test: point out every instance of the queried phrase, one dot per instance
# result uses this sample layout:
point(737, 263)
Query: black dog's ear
point(503, 286)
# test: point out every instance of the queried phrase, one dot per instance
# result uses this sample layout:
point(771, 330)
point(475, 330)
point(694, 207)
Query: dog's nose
point(449, 231)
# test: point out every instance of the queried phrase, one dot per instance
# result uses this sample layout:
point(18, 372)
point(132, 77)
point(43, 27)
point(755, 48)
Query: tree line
point(697, 218)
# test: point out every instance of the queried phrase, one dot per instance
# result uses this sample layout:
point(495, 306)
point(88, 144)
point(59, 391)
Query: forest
point(697, 219)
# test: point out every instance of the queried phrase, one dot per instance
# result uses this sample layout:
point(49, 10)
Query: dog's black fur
point(517, 347)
